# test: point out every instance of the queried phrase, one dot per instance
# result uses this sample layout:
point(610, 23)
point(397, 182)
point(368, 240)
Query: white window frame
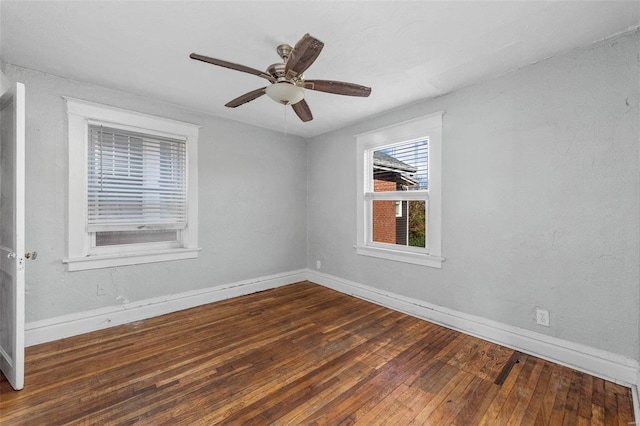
point(426, 127)
point(399, 205)
point(81, 255)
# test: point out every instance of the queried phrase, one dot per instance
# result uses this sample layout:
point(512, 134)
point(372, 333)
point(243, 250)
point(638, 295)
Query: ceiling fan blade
point(337, 87)
point(247, 97)
point(232, 66)
point(303, 55)
point(302, 110)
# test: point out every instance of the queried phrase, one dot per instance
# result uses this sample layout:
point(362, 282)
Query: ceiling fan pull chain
point(285, 122)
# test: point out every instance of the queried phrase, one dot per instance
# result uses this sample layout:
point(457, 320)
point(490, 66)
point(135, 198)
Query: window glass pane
point(401, 167)
point(110, 238)
point(407, 229)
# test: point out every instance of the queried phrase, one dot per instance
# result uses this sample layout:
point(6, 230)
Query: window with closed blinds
point(136, 182)
point(133, 187)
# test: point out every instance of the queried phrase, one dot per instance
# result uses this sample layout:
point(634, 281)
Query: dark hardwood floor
point(300, 354)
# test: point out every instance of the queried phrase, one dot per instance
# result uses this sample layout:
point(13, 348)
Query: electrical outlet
point(101, 289)
point(542, 317)
point(318, 264)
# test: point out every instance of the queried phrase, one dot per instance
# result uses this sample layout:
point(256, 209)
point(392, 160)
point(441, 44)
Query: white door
point(12, 254)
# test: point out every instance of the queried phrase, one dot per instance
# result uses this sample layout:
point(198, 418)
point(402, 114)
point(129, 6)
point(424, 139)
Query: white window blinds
point(406, 164)
point(136, 181)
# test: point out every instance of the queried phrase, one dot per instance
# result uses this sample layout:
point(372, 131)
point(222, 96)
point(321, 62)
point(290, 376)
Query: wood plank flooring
point(300, 354)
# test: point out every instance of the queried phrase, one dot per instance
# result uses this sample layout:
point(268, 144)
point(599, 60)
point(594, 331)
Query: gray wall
point(540, 199)
point(252, 198)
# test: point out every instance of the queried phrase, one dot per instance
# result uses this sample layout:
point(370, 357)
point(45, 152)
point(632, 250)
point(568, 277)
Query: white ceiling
point(405, 51)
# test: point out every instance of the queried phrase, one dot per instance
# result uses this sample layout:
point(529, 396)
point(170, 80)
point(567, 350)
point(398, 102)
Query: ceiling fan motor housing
point(278, 71)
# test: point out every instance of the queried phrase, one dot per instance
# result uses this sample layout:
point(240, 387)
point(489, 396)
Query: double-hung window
point(399, 195)
point(132, 187)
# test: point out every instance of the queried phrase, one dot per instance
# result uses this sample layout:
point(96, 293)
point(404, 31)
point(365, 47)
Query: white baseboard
point(599, 363)
point(37, 332)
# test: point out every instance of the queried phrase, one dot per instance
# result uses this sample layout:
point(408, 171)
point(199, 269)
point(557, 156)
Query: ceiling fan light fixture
point(285, 93)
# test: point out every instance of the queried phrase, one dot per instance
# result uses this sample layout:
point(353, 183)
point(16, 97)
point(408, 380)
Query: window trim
point(425, 127)
point(79, 250)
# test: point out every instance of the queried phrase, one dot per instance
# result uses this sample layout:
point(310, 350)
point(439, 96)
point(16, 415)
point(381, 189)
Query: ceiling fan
point(287, 79)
